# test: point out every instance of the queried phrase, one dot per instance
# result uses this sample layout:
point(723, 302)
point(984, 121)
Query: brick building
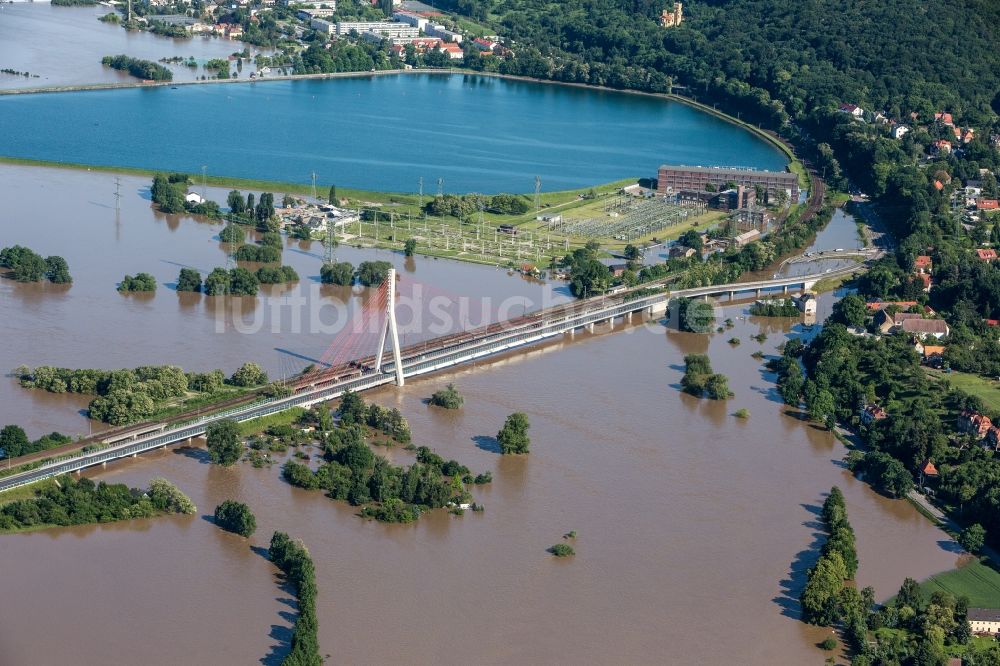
point(672, 178)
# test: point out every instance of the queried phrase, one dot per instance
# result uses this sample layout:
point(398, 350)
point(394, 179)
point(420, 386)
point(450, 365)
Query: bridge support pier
point(784, 289)
point(104, 464)
point(611, 323)
point(590, 327)
point(757, 293)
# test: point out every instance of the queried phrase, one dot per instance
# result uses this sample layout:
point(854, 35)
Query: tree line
point(140, 69)
point(125, 396)
point(27, 266)
point(294, 560)
point(71, 501)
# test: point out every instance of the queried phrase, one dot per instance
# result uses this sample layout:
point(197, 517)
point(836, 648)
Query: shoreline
point(784, 147)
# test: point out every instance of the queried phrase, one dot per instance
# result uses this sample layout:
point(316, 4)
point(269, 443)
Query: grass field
point(286, 417)
point(987, 390)
point(24, 492)
point(977, 581)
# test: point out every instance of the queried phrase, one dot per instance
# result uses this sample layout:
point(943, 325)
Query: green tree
point(57, 270)
point(822, 407)
point(235, 517)
point(850, 310)
point(972, 538)
point(717, 387)
point(189, 280)
point(217, 283)
point(340, 273)
point(232, 233)
point(410, 246)
point(632, 253)
point(513, 436)
point(448, 397)
point(249, 374)
point(237, 206)
point(373, 273)
point(242, 282)
point(332, 195)
point(225, 446)
point(13, 441)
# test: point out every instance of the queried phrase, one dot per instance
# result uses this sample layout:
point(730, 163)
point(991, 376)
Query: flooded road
point(695, 527)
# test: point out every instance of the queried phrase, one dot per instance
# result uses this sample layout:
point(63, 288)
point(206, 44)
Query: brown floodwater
point(695, 527)
point(63, 46)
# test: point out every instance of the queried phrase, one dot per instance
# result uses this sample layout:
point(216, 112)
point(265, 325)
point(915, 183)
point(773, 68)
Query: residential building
point(672, 18)
point(681, 252)
point(384, 28)
point(890, 323)
point(852, 110)
point(899, 131)
point(674, 178)
point(731, 199)
point(877, 306)
point(925, 282)
point(987, 204)
point(417, 21)
point(453, 50)
point(438, 30)
point(984, 620)
point(942, 146)
point(932, 351)
point(928, 471)
point(923, 264)
point(926, 328)
point(869, 414)
point(322, 25)
point(193, 198)
point(314, 13)
point(806, 303)
point(944, 119)
point(988, 254)
point(973, 423)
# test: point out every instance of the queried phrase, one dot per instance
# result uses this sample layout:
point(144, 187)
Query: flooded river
point(63, 46)
point(695, 527)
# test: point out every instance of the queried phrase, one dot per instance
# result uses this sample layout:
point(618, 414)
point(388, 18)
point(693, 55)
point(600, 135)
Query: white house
point(193, 198)
point(853, 110)
point(899, 131)
point(984, 620)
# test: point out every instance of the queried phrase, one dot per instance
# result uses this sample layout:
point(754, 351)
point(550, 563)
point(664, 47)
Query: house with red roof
point(923, 264)
point(869, 414)
point(944, 119)
point(942, 146)
point(973, 423)
point(852, 110)
point(925, 280)
point(987, 204)
point(988, 254)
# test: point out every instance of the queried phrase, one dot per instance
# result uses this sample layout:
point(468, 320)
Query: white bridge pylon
point(390, 327)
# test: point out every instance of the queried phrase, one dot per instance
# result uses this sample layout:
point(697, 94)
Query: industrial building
point(673, 178)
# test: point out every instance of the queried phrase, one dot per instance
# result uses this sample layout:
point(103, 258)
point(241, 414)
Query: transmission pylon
point(314, 185)
point(440, 187)
point(204, 184)
point(538, 192)
point(421, 193)
point(390, 328)
point(118, 194)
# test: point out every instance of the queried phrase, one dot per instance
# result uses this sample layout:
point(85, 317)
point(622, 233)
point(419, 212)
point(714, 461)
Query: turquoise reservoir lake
point(381, 133)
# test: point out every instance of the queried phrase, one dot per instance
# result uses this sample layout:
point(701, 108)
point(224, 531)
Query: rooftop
point(984, 614)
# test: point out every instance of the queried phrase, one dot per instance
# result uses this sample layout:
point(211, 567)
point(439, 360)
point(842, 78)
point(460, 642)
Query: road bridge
point(414, 360)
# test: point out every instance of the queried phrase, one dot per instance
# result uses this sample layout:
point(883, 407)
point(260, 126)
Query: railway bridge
point(383, 368)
